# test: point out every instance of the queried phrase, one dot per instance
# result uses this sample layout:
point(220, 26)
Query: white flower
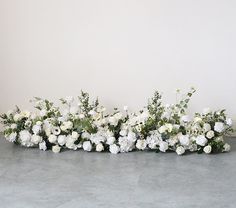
point(110, 140)
point(10, 112)
point(56, 130)
point(66, 125)
point(42, 146)
point(114, 149)
point(123, 132)
point(28, 123)
point(169, 127)
point(12, 137)
point(56, 149)
point(210, 134)
point(131, 136)
point(180, 150)
point(126, 145)
point(39, 123)
point(25, 137)
point(25, 114)
point(162, 129)
point(70, 143)
point(163, 146)
point(61, 139)
point(52, 138)
point(201, 140)
point(36, 129)
point(17, 117)
point(141, 144)
point(207, 149)
point(226, 147)
point(96, 138)
point(92, 112)
point(87, 146)
point(113, 121)
point(185, 118)
point(43, 113)
point(206, 111)
point(81, 116)
point(75, 135)
point(69, 99)
point(99, 147)
point(197, 119)
point(219, 127)
point(14, 126)
point(206, 127)
point(229, 122)
point(85, 135)
point(36, 139)
point(184, 140)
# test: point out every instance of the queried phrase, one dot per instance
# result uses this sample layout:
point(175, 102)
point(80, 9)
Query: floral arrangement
point(87, 125)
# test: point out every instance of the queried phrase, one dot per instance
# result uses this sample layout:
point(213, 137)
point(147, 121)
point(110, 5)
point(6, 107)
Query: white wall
point(119, 50)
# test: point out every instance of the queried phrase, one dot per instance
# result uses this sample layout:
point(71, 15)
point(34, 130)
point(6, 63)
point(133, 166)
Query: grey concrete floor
point(33, 178)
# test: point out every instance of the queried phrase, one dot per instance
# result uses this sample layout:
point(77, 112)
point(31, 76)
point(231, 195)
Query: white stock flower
point(163, 146)
point(207, 149)
point(56, 149)
point(114, 149)
point(184, 140)
point(99, 147)
point(61, 139)
point(226, 147)
point(52, 138)
point(87, 146)
point(42, 146)
point(180, 150)
point(36, 139)
point(201, 140)
point(141, 144)
point(210, 134)
point(219, 127)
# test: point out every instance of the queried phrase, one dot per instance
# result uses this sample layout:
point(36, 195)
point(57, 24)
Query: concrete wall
point(118, 50)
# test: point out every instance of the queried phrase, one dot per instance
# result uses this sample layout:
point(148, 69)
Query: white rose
point(123, 132)
point(141, 144)
point(61, 139)
point(70, 143)
point(219, 127)
point(17, 117)
point(87, 146)
point(207, 149)
point(69, 124)
point(113, 121)
point(52, 138)
point(56, 149)
point(75, 135)
point(12, 137)
point(99, 147)
point(163, 146)
point(201, 140)
point(36, 129)
point(162, 129)
point(184, 140)
point(114, 149)
point(25, 136)
point(226, 147)
point(56, 131)
point(210, 134)
point(42, 146)
point(206, 127)
point(229, 122)
point(36, 139)
point(180, 150)
point(110, 140)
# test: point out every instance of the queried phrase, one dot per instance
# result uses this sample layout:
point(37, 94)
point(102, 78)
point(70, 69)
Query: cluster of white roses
point(89, 127)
